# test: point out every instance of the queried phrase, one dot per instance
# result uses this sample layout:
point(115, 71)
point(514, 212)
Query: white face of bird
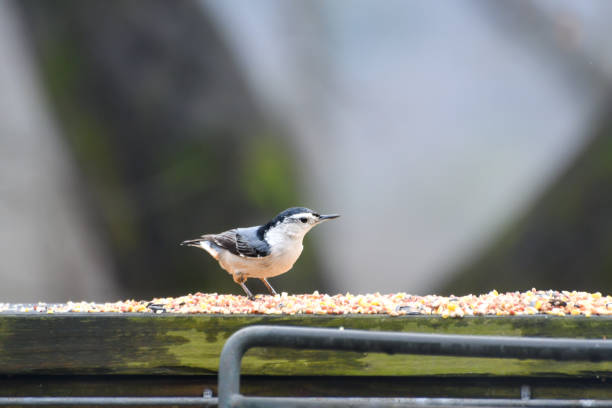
point(297, 225)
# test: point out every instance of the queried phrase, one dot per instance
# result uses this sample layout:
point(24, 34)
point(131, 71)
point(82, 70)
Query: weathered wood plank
point(174, 344)
point(193, 386)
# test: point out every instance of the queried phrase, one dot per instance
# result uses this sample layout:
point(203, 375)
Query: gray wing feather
point(225, 240)
point(240, 241)
point(249, 244)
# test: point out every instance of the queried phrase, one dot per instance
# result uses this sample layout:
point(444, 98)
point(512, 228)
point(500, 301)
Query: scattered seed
point(532, 302)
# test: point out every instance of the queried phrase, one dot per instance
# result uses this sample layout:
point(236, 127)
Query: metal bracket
point(404, 343)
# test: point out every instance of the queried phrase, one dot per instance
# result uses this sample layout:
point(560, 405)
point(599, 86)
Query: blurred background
point(467, 145)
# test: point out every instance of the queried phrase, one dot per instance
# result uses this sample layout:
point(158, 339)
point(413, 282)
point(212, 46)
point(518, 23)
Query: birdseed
point(532, 302)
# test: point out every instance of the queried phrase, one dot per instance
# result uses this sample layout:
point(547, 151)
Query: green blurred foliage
point(268, 174)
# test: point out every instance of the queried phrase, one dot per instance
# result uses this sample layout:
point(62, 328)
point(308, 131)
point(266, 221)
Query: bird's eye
point(304, 220)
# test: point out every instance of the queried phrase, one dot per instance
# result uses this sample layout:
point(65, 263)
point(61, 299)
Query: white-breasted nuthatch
point(262, 251)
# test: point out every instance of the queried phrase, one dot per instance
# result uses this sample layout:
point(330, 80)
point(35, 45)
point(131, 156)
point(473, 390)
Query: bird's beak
point(328, 217)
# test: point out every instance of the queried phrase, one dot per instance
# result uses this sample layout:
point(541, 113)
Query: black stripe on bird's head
point(295, 215)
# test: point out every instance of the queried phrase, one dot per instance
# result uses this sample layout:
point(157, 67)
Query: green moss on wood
point(171, 344)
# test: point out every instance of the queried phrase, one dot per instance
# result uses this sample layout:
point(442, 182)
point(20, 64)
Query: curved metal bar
point(389, 342)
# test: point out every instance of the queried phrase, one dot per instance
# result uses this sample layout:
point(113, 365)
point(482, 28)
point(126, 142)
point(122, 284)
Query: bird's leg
point(270, 288)
point(240, 279)
point(248, 292)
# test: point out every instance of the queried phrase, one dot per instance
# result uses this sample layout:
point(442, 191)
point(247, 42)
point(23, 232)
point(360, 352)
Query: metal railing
point(111, 401)
point(404, 343)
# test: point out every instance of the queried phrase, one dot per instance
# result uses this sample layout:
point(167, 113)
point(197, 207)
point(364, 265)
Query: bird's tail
point(206, 243)
point(192, 242)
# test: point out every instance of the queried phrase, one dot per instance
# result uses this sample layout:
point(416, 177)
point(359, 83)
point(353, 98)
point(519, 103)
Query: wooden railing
point(171, 354)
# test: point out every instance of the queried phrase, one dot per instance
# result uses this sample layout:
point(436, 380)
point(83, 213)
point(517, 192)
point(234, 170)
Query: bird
point(262, 251)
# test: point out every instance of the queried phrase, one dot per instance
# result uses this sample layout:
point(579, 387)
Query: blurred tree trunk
point(566, 237)
point(50, 248)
